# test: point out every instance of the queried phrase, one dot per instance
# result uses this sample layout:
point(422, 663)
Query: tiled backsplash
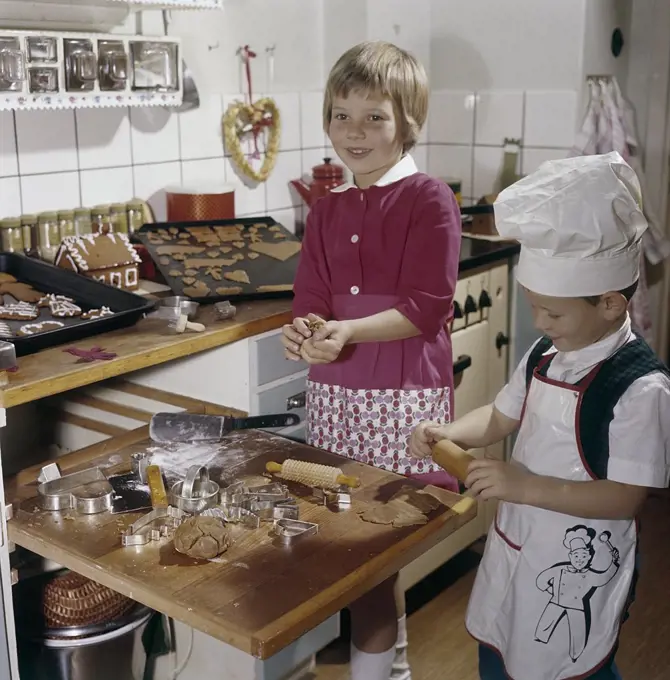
point(466, 132)
point(62, 159)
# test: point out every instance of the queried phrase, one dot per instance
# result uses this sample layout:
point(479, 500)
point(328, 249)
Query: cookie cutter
point(285, 511)
point(49, 473)
point(291, 530)
point(139, 462)
point(234, 493)
point(157, 524)
point(93, 498)
point(196, 493)
point(236, 514)
point(56, 494)
point(339, 500)
point(275, 492)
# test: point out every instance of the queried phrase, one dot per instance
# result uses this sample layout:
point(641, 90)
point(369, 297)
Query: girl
point(378, 269)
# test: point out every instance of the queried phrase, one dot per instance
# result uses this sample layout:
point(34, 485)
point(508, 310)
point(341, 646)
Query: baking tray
point(128, 308)
point(268, 276)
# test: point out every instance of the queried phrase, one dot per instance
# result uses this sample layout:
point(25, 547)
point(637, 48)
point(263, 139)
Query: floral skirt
point(374, 426)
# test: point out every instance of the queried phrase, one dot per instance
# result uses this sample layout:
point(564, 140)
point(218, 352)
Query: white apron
point(551, 589)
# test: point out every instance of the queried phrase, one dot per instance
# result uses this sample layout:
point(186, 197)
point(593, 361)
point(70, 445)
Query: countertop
point(261, 595)
point(54, 371)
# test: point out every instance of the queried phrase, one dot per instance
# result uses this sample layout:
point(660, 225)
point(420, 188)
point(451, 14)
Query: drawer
point(274, 400)
point(268, 363)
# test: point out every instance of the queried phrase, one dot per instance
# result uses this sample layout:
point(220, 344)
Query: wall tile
point(150, 183)
point(452, 117)
point(420, 155)
point(487, 164)
point(287, 217)
point(55, 191)
point(249, 199)
point(531, 159)
point(208, 172)
point(155, 135)
point(550, 118)
point(448, 161)
point(200, 133)
point(279, 193)
point(498, 115)
point(46, 141)
point(103, 137)
point(106, 185)
point(311, 115)
point(289, 108)
point(9, 162)
point(10, 197)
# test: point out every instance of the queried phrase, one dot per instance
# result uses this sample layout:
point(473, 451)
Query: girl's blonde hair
point(382, 68)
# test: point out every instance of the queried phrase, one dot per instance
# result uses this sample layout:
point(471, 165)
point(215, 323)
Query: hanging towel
point(609, 125)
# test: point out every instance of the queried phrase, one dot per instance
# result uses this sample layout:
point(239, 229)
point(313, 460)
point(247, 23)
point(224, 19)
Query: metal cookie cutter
point(338, 500)
point(285, 511)
point(57, 494)
point(291, 530)
point(196, 493)
point(153, 526)
point(275, 492)
point(49, 473)
point(139, 462)
point(236, 514)
point(93, 498)
point(234, 493)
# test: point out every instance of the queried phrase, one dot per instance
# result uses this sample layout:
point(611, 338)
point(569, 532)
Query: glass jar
point(101, 220)
point(49, 235)
point(66, 224)
point(82, 222)
point(11, 235)
point(119, 217)
point(136, 217)
point(31, 238)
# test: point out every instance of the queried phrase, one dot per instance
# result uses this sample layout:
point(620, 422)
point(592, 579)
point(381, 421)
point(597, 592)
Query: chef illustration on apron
point(552, 586)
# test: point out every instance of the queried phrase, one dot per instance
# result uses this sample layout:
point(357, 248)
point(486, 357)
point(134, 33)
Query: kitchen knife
point(194, 427)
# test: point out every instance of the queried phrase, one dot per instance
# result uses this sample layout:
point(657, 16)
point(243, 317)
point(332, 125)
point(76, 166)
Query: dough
point(315, 325)
point(202, 538)
point(196, 263)
point(198, 289)
point(422, 501)
point(179, 249)
point(278, 288)
point(23, 292)
point(395, 512)
point(278, 251)
point(238, 276)
point(231, 290)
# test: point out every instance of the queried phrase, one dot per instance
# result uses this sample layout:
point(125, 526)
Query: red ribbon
point(247, 55)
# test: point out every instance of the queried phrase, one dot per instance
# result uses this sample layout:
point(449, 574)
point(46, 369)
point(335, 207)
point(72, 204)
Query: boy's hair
point(382, 68)
point(626, 292)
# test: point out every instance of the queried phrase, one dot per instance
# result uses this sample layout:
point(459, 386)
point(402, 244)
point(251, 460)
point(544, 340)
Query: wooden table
point(53, 371)
point(264, 595)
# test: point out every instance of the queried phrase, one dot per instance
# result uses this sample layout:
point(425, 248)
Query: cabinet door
point(470, 390)
point(498, 343)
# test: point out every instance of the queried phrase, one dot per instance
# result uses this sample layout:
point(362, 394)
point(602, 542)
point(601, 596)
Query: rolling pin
point(452, 458)
point(312, 474)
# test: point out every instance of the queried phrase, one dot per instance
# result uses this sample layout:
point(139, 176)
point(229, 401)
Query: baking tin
point(89, 294)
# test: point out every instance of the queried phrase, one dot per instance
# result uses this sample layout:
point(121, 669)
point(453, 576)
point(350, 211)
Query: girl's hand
point(326, 343)
point(293, 336)
point(424, 437)
point(496, 479)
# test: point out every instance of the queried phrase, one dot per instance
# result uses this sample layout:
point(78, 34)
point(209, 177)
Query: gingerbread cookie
point(191, 272)
point(238, 276)
point(173, 230)
point(232, 290)
point(7, 278)
point(174, 272)
point(165, 261)
point(274, 227)
point(198, 289)
point(253, 256)
point(5, 330)
point(189, 280)
point(20, 291)
point(41, 327)
point(97, 313)
point(19, 311)
point(60, 306)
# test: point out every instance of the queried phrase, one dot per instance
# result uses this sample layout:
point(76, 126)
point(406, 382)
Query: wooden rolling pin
point(312, 474)
point(452, 458)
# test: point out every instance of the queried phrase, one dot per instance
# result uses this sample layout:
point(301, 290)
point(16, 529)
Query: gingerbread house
point(109, 258)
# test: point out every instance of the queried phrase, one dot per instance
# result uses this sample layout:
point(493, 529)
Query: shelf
point(87, 100)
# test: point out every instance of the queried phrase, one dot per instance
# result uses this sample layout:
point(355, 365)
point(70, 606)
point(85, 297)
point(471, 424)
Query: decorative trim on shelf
point(88, 100)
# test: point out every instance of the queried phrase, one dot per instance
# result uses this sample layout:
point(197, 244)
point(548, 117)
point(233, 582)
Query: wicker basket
point(74, 600)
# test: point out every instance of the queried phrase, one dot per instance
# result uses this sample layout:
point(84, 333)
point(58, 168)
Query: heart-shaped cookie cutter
point(291, 530)
point(157, 524)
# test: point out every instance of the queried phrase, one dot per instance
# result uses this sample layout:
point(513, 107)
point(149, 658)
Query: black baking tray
point(263, 271)
point(128, 308)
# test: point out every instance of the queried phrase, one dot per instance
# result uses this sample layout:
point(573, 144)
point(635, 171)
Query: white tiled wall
point(466, 131)
point(63, 159)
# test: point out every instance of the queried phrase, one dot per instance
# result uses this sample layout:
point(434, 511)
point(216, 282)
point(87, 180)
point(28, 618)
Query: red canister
point(189, 203)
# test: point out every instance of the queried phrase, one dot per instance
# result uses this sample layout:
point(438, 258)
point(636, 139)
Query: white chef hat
point(580, 224)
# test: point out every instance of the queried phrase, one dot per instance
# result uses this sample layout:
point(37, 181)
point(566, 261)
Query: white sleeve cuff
point(508, 405)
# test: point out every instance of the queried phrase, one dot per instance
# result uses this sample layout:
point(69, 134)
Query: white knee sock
point(401, 669)
point(365, 666)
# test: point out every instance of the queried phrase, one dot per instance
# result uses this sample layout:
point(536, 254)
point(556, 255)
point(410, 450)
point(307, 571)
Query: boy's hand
point(326, 343)
point(293, 336)
point(424, 437)
point(496, 479)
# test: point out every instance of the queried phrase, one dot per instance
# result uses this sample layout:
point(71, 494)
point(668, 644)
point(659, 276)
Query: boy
point(592, 407)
